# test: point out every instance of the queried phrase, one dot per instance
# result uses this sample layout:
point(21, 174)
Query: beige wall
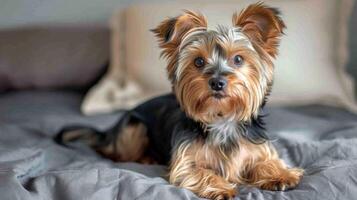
point(29, 12)
point(15, 13)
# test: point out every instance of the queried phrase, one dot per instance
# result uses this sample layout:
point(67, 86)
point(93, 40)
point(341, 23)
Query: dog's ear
point(262, 24)
point(171, 31)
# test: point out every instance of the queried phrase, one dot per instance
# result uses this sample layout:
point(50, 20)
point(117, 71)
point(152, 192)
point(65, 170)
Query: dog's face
point(221, 74)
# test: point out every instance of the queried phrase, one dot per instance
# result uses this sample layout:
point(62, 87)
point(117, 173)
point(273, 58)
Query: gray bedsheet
point(322, 140)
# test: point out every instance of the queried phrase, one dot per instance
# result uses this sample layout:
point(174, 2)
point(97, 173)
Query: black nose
point(217, 84)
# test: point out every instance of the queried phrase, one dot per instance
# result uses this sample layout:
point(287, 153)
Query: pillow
point(309, 69)
point(52, 56)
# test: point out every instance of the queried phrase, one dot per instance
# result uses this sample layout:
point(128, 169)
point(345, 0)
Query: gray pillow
point(52, 57)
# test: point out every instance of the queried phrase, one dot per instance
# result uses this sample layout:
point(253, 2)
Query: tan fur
point(262, 25)
point(178, 27)
point(214, 169)
point(73, 135)
point(211, 173)
point(201, 166)
point(130, 145)
point(245, 94)
point(259, 23)
point(191, 172)
point(274, 175)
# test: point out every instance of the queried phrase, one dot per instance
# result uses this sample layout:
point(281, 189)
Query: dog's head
point(224, 73)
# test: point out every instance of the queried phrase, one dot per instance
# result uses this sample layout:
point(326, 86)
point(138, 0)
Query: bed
point(320, 139)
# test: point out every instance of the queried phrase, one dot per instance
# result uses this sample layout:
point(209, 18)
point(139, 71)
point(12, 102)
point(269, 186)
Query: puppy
point(209, 131)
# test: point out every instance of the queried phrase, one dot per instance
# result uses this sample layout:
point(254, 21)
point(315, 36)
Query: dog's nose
point(217, 84)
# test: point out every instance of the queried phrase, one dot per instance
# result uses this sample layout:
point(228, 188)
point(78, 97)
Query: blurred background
point(16, 13)
point(43, 40)
point(76, 63)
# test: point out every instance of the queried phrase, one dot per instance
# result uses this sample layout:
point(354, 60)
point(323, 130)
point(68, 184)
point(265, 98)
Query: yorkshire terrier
point(209, 131)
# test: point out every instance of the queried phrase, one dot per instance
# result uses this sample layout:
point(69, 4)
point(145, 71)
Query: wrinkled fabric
point(322, 140)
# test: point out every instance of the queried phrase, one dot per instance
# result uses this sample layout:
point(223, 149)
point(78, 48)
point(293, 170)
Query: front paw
point(223, 193)
point(287, 180)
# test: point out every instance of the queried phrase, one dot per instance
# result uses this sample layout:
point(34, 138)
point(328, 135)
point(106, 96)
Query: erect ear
point(262, 24)
point(171, 31)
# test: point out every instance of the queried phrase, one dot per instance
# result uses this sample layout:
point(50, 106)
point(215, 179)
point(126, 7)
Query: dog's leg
point(129, 146)
point(204, 182)
point(266, 171)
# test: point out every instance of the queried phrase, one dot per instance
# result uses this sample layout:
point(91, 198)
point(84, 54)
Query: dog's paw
point(226, 194)
point(218, 191)
point(289, 179)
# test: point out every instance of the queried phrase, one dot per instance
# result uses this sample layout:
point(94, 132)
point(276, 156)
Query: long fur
point(212, 140)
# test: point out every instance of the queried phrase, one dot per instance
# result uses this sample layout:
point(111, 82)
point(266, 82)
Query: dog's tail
point(90, 136)
point(86, 135)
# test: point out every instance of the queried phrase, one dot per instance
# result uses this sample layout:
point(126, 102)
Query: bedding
point(320, 139)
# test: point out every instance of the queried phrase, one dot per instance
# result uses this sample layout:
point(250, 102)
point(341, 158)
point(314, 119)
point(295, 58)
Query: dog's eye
point(199, 62)
point(238, 60)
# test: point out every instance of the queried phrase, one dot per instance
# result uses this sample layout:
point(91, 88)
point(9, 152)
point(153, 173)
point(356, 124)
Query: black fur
point(168, 126)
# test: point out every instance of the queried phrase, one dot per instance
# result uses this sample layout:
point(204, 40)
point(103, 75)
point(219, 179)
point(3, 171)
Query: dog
point(210, 130)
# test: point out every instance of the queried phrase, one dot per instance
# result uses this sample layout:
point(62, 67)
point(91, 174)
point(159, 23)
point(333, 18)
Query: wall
point(29, 12)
